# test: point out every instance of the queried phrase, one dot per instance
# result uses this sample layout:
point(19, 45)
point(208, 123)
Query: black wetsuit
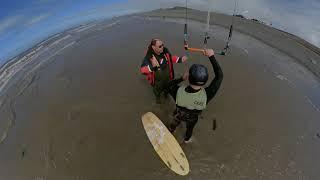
point(191, 116)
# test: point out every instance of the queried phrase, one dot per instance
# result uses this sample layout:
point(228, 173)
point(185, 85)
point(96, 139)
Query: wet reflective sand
point(74, 112)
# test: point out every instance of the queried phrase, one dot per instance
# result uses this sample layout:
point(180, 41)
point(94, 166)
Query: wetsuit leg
point(166, 89)
point(157, 92)
point(176, 121)
point(190, 125)
point(161, 83)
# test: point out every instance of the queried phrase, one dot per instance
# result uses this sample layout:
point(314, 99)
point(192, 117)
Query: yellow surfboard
point(165, 144)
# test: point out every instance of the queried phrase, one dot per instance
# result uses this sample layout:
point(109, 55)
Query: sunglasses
point(161, 46)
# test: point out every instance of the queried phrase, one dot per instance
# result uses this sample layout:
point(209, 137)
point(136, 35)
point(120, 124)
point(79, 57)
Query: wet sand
point(74, 112)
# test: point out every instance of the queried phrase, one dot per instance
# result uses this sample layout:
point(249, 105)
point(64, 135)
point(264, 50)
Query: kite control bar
point(223, 52)
point(193, 49)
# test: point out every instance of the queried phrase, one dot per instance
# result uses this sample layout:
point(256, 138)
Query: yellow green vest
point(191, 101)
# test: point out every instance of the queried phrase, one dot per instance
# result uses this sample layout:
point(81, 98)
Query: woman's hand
point(184, 58)
point(154, 62)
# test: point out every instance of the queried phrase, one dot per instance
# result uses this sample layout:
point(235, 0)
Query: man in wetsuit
point(157, 65)
point(192, 99)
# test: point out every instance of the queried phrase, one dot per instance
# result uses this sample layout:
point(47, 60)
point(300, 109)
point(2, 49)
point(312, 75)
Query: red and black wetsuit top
point(165, 60)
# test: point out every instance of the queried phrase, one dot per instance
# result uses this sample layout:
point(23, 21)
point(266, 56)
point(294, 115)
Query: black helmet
point(198, 75)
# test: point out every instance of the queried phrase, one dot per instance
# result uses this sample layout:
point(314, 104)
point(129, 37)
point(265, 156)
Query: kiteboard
point(165, 144)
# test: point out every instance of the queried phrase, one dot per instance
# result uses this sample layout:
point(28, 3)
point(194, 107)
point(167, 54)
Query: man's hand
point(184, 59)
point(208, 52)
point(154, 62)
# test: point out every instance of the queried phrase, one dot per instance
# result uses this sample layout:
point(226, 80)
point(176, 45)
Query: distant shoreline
point(213, 14)
point(300, 50)
point(56, 34)
point(30, 57)
point(304, 52)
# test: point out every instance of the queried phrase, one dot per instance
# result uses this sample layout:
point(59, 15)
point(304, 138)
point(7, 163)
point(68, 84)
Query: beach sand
point(75, 111)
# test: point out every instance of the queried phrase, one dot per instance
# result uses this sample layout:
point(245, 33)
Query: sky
point(23, 23)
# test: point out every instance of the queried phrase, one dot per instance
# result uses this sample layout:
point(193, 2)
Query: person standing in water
point(157, 65)
point(192, 99)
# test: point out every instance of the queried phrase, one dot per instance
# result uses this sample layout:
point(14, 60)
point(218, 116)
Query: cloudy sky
point(26, 22)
